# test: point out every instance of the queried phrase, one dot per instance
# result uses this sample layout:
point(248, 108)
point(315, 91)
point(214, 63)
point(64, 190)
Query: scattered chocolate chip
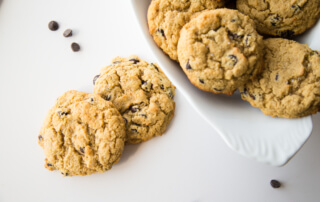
point(75, 47)
point(49, 164)
point(162, 33)
point(60, 113)
point(95, 79)
point(154, 66)
point(134, 109)
point(201, 81)
point(135, 61)
point(161, 86)
point(134, 130)
point(82, 149)
point(188, 65)
point(275, 184)
point(277, 77)
point(67, 33)
point(234, 59)
point(40, 137)
point(286, 33)
point(53, 25)
point(108, 97)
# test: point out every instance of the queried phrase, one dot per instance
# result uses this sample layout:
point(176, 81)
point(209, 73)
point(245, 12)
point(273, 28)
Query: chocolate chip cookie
point(167, 17)
point(281, 18)
point(141, 92)
point(220, 50)
point(289, 86)
point(82, 134)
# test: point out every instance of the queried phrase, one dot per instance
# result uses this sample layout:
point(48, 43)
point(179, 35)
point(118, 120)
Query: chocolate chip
point(66, 174)
point(136, 124)
point(53, 25)
point(95, 79)
point(145, 116)
point(244, 91)
point(134, 130)
point(201, 81)
point(161, 86)
point(91, 99)
point(296, 8)
point(233, 36)
point(216, 89)
point(274, 20)
point(246, 41)
point(82, 149)
point(277, 77)
point(286, 33)
point(67, 33)
point(252, 96)
point(135, 61)
point(154, 66)
point(234, 59)
point(125, 120)
point(162, 33)
point(188, 65)
point(40, 137)
point(275, 184)
point(108, 97)
point(170, 93)
point(49, 164)
point(60, 113)
point(233, 20)
point(116, 62)
point(75, 47)
point(288, 82)
point(134, 109)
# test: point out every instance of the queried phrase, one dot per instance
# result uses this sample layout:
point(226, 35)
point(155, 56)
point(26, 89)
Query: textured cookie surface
point(167, 17)
point(290, 84)
point(220, 50)
point(82, 134)
point(141, 92)
point(281, 18)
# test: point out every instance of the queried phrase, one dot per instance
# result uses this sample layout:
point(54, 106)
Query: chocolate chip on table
point(53, 25)
point(188, 65)
point(95, 79)
point(67, 33)
point(75, 47)
point(135, 61)
point(275, 184)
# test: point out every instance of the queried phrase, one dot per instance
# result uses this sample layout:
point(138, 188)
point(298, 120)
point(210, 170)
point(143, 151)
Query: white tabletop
point(190, 162)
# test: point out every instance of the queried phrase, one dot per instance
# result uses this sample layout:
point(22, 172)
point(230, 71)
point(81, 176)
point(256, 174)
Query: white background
point(190, 162)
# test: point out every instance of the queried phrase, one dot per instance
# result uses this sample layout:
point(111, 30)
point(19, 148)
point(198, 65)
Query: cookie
point(141, 92)
point(281, 18)
point(82, 134)
point(167, 17)
point(289, 86)
point(220, 50)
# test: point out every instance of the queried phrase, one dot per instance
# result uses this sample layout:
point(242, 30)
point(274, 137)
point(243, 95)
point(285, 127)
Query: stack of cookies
point(223, 50)
point(84, 133)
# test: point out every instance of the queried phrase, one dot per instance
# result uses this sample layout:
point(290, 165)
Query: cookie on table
point(281, 18)
point(220, 50)
point(82, 134)
point(167, 17)
point(289, 86)
point(141, 92)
